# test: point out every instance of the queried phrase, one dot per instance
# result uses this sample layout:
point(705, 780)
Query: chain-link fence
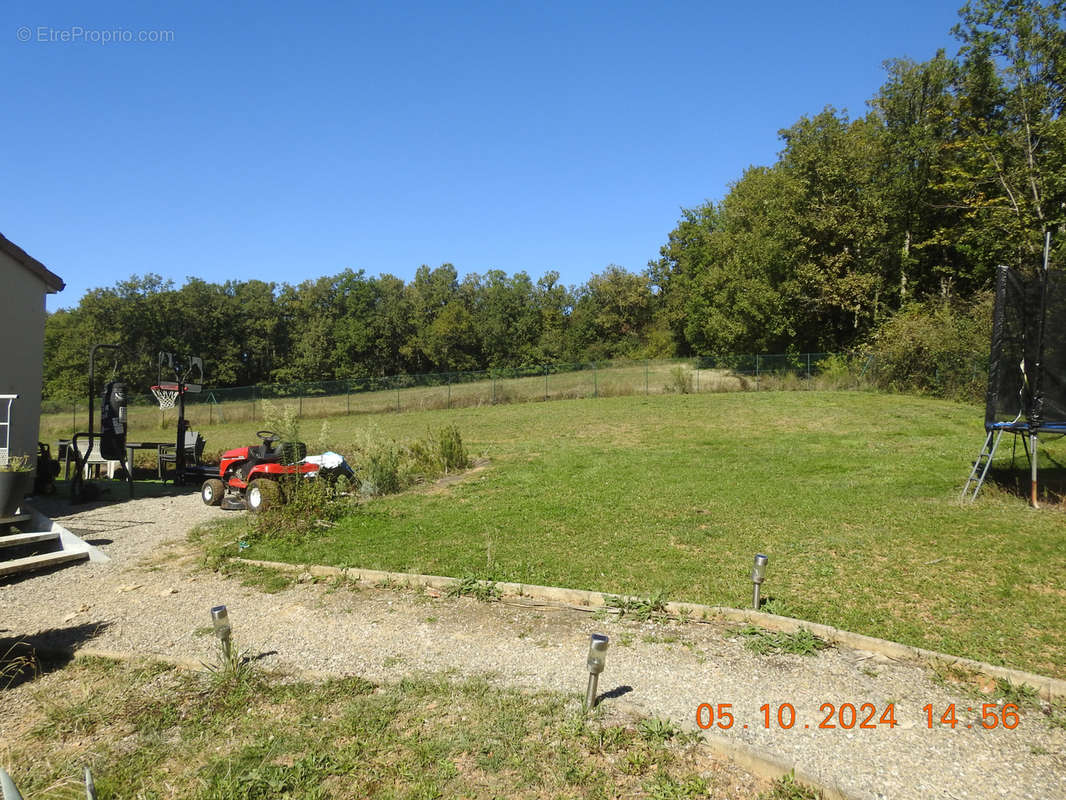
point(960, 379)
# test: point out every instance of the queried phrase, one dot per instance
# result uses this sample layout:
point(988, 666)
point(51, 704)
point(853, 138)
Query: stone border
point(1048, 688)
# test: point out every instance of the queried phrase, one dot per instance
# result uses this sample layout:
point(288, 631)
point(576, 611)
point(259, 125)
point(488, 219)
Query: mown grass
point(854, 496)
point(149, 731)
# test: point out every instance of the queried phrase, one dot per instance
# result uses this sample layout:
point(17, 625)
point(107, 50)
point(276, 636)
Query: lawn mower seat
point(264, 453)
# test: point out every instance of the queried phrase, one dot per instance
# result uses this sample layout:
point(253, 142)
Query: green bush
point(938, 348)
point(450, 449)
point(305, 507)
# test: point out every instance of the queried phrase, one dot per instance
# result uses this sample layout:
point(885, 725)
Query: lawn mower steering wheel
point(268, 437)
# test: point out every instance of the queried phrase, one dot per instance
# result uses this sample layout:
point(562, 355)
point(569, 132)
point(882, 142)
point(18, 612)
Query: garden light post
point(596, 661)
point(223, 630)
point(758, 572)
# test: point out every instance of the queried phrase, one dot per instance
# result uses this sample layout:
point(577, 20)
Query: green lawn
point(151, 731)
point(854, 496)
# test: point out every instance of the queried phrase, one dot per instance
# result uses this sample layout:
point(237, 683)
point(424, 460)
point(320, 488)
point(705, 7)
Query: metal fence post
point(595, 381)
point(545, 382)
point(645, 377)
point(756, 372)
point(300, 402)
point(397, 397)
point(348, 397)
point(449, 390)
point(697, 376)
point(808, 370)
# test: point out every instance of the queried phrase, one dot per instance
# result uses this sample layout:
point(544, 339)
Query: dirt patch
point(441, 485)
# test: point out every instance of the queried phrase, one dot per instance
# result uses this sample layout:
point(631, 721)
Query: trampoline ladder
point(981, 465)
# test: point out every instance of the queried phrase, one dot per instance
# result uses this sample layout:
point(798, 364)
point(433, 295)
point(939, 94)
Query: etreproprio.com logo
point(46, 34)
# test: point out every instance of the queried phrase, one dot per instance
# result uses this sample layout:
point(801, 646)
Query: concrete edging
point(1049, 688)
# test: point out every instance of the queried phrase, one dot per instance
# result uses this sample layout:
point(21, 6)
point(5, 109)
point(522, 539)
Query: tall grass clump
point(385, 466)
point(283, 419)
point(680, 381)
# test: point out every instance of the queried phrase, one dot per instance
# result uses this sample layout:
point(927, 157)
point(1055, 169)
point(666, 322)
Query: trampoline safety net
point(1027, 368)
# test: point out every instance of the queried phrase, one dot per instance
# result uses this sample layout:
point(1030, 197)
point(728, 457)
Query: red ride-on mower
point(248, 476)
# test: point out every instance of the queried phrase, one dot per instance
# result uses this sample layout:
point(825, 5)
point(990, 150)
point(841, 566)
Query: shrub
point(382, 475)
point(450, 449)
point(938, 348)
point(835, 371)
point(306, 506)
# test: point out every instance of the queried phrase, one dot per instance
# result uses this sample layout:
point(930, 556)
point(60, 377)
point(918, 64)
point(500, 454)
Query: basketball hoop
point(166, 394)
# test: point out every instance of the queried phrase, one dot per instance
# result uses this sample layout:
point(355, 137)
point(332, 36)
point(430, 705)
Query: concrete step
point(40, 562)
point(16, 519)
point(15, 539)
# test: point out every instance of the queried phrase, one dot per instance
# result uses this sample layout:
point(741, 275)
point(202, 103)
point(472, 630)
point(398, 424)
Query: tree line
point(862, 230)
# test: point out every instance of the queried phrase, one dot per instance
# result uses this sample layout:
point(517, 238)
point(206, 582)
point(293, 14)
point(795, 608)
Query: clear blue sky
point(287, 144)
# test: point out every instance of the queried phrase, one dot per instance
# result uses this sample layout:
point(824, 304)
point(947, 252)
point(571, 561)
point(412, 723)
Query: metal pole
point(590, 693)
point(645, 378)
point(449, 390)
point(179, 442)
point(545, 382)
point(1033, 440)
point(348, 397)
point(595, 381)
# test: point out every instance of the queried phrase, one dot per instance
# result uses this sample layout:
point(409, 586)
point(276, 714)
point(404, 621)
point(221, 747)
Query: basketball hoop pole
point(184, 368)
point(179, 460)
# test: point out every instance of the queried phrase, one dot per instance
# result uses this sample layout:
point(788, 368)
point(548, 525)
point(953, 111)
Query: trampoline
point(1027, 367)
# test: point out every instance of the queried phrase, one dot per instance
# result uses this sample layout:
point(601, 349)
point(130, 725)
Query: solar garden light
point(597, 660)
point(758, 572)
point(223, 630)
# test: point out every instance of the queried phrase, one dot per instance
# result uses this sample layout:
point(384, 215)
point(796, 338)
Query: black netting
point(1052, 386)
point(1027, 371)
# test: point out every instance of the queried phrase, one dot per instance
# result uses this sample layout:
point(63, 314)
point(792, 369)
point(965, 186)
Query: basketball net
point(166, 395)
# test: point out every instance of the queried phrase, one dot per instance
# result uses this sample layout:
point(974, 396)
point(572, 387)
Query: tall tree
point(917, 110)
point(1012, 145)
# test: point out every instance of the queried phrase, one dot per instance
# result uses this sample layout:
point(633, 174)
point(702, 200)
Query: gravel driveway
point(153, 598)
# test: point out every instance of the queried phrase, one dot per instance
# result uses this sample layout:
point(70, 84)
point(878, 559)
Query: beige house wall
point(22, 316)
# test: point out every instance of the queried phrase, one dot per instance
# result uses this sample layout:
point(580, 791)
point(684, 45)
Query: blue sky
point(285, 143)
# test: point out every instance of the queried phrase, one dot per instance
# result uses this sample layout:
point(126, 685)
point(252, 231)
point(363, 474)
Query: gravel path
point(152, 598)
